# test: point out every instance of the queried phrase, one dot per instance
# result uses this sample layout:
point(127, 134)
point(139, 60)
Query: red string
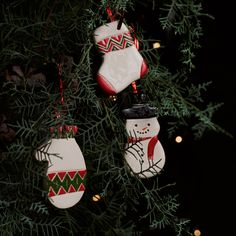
point(110, 14)
point(61, 83)
point(62, 129)
point(134, 87)
point(136, 43)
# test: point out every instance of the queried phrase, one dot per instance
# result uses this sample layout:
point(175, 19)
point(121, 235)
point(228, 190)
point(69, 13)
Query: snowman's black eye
point(148, 124)
point(135, 125)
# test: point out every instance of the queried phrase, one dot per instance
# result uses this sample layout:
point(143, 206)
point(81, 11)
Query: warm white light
point(197, 232)
point(178, 139)
point(96, 198)
point(156, 45)
point(113, 98)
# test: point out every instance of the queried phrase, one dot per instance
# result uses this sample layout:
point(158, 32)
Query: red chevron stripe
point(82, 173)
point(120, 40)
point(117, 38)
point(114, 47)
point(71, 189)
point(51, 192)
point(51, 176)
point(81, 187)
point(115, 42)
point(72, 174)
point(62, 175)
point(103, 42)
point(61, 191)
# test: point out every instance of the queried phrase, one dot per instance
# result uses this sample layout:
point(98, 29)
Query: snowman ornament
point(144, 152)
point(66, 173)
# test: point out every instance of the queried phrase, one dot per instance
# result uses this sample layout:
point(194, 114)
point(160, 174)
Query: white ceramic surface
point(63, 155)
point(144, 152)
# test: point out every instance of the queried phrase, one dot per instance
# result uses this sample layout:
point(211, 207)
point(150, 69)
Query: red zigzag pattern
point(115, 42)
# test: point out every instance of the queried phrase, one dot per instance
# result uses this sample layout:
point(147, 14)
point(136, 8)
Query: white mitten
point(122, 62)
point(66, 171)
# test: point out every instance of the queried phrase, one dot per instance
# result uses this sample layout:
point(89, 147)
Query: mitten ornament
point(122, 63)
point(144, 153)
point(66, 173)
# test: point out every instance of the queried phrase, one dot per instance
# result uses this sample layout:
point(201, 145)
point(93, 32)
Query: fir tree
point(39, 36)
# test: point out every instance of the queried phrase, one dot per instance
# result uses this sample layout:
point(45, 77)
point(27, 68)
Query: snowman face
point(142, 127)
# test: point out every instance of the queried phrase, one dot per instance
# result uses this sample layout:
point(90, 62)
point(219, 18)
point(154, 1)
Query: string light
point(156, 45)
point(178, 139)
point(113, 98)
point(96, 198)
point(197, 232)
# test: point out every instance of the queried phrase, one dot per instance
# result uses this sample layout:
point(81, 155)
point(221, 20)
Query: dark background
point(204, 170)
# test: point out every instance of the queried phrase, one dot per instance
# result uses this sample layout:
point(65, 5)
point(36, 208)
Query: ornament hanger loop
point(113, 17)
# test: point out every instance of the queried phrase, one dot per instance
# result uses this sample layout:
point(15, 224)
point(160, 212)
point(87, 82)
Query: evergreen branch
point(104, 221)
point(39, 208)
point(25, 128)
point(18, 150)
point(183, 17)
point(71, 221)
point(48, 226)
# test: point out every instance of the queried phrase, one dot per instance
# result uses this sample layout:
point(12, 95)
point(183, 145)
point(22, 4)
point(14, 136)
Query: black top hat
point(139, 111)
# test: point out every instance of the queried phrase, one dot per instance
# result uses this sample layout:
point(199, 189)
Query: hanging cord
point(45, 29)
point(134, 87)
point(61, 83)
point(62, 131)
point(61, 89)
point(113, 17)
point(136, 43)
point(110, 14)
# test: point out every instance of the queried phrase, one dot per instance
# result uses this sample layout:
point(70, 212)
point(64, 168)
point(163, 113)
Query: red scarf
point(151, 144)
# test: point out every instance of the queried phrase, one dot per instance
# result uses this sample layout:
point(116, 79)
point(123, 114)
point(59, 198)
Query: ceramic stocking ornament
point(144, 153)
point(66, 171)
point(122, 63)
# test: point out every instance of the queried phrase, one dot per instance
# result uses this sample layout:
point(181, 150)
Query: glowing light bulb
point(156, 45)
point(66, 171)
point(197, 232)
point(113, 98)
point(96, 198)
point(178, 139)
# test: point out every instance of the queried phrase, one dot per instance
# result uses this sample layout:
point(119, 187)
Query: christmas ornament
point(66, 171)
point(122, 62)
point(144, 153)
